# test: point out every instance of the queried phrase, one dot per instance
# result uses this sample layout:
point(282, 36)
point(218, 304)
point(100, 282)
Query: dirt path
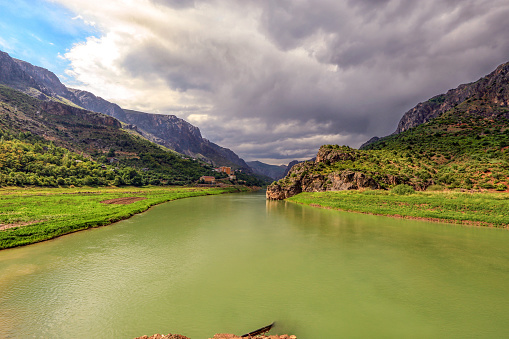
point(123, 201)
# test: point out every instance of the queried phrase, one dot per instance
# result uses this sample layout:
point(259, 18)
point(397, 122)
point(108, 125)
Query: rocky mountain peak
point(492, 89)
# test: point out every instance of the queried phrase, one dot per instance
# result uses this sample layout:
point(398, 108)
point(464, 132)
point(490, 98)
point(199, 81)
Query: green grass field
point(30, 215)
point(483, 209)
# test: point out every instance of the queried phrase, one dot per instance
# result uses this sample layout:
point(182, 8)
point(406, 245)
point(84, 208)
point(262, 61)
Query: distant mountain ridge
point(272, 171)
point(167, 130)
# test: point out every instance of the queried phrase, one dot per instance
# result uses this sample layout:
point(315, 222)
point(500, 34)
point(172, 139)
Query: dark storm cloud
point(281, 77)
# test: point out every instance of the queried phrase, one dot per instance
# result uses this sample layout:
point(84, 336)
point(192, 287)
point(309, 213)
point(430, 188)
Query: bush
point(501, 187)
point(402, 189)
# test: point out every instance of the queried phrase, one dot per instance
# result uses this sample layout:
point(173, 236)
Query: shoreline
point(398, 205)
point(39, 229)
point(409, 217)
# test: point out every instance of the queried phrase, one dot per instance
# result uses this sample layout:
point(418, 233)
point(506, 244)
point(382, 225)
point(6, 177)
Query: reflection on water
point(234, 263)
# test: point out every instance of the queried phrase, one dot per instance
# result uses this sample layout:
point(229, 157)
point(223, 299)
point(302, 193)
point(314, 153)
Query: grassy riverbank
point(30, 215)
point(483, 209)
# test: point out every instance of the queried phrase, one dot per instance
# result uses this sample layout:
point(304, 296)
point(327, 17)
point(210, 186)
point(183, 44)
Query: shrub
point(402, 189)
point(501, 187)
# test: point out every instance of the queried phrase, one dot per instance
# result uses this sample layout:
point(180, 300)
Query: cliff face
point(94, 103)
point(47, 82)
point(493, 89)
point(179, 135)
point(309, 176)
point(11, 74)
point(166, 130)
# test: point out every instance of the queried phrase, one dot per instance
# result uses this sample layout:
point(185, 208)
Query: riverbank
point(479, 209)
point(30, 215)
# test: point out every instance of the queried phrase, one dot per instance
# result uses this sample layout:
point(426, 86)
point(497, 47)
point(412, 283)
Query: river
point(234, 263)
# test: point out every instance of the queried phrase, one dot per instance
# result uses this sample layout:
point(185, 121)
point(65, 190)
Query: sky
point(273, 80)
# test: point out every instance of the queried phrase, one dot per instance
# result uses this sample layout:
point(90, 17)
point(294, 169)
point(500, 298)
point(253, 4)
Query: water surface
point(233, 263)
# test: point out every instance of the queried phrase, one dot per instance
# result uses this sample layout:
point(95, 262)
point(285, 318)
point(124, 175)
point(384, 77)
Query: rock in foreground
point(217, 336)
point(232, 336)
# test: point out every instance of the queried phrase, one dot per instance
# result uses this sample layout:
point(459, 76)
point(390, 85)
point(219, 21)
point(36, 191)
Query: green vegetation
point(402, 189)
point(485, 209)
point(466, 147)
point(35, 215)
point(53, 144)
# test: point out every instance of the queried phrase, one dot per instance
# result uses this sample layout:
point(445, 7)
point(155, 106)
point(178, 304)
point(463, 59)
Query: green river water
point(234, 263)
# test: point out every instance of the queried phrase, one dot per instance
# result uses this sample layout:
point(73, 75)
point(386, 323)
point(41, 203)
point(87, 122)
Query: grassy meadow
point(482, 209)
point(30, 215)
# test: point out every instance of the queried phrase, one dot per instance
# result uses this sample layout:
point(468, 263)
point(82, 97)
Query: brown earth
point(123, 201)
point(7, 226)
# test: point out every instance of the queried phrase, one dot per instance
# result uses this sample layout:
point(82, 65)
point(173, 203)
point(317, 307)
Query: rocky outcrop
point(92, 118)
point(309, 176)
point(329, 155)
point(335, 181)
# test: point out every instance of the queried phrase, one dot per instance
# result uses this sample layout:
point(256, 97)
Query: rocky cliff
point(166, 130)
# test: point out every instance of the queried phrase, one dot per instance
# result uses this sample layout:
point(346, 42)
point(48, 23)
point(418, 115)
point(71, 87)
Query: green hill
point(48, 144)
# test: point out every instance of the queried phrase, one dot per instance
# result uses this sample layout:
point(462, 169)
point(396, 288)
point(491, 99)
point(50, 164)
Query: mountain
point(272, 171)
point(166, 130)
point(491, 90)
point(456, 140)
point(48, 143)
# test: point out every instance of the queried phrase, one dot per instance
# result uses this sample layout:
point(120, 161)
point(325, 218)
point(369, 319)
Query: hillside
point(465, 146)
point(44, 141)
point(166, 130)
